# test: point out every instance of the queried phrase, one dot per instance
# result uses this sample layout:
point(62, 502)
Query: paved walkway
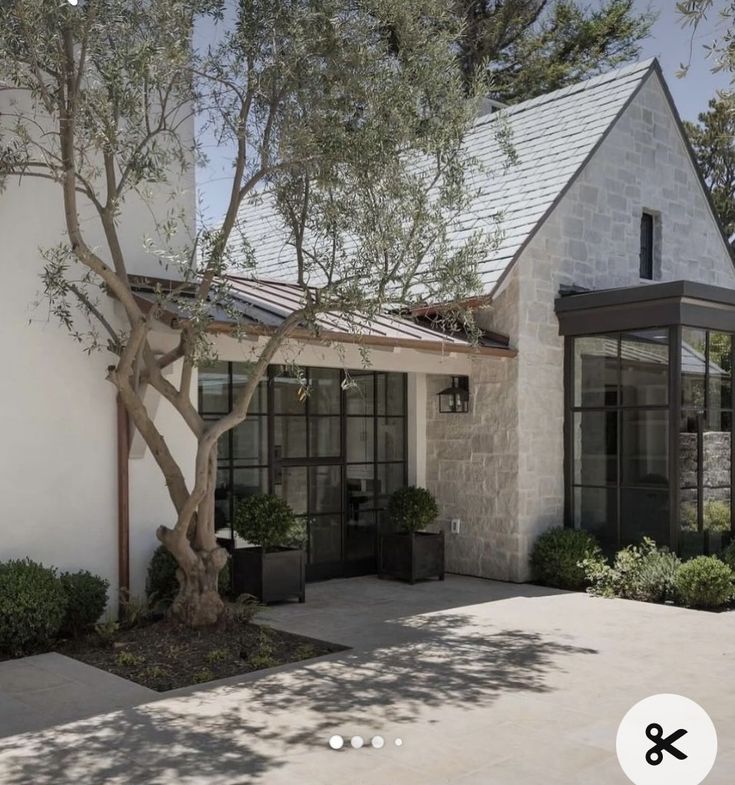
point(48, 689)
point(485, 683)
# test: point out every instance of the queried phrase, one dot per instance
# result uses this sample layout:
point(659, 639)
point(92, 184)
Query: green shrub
point(704, 582)
point(264, 520)
point(412, 509)
point(32, 606)
point(86, 599)
point(162, 585)
point(657, 577)
point(640, 572)
point(717, 516)
point(558, 554)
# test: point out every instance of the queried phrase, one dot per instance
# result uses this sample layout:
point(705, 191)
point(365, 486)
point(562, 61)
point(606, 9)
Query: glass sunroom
point(648, 414)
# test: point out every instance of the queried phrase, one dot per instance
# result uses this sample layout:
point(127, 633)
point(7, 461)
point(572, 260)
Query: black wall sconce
point(455, 399)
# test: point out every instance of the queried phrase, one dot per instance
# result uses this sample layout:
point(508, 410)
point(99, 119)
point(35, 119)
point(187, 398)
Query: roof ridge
point(643, 67)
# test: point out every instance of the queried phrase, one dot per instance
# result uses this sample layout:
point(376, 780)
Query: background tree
point(358, 145)
point(720, 47)
point(713, 140)
point(529, 47)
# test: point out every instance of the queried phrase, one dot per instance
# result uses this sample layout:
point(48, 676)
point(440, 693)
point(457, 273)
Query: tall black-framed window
point(649, 437)
point(618, 440)
point(242, 453)
point(647, 246)
point(335, 454)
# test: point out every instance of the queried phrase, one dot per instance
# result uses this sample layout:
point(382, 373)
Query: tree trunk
point(198, 603)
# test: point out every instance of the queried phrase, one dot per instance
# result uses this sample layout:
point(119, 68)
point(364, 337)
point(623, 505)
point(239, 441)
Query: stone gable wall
point(500, 467)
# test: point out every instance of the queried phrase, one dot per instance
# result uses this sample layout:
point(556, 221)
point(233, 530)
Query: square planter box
point(271, 576)
point(412, 557)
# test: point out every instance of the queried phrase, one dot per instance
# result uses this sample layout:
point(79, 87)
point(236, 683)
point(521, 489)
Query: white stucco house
point(600, 395)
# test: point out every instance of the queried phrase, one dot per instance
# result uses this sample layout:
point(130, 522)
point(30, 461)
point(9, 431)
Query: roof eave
point(326, 336)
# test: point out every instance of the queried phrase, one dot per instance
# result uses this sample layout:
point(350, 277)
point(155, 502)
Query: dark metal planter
point(411, 557)
point(271, 576)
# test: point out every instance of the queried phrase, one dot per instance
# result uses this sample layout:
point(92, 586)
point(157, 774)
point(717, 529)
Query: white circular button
point(666, 740)
point(357, 742)
point(336, 742)
point(377, 742)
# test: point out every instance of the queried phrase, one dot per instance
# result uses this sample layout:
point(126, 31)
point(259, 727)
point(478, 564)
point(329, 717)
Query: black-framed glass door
point(334, 454)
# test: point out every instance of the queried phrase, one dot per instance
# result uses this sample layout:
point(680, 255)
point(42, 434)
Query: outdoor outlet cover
point(455, 525)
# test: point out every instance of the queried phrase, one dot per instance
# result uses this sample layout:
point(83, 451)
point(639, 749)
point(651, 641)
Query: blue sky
point(670, 42)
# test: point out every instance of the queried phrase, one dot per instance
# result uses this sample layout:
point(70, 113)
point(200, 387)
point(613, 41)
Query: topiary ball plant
point(558, 554)
point(86, 599)
point(704, 582)
point(412, 509)
point(32, 606)
point(264, 520)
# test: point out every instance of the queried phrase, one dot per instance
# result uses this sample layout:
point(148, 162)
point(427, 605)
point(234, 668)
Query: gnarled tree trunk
point(200, 560)
point(198, 602)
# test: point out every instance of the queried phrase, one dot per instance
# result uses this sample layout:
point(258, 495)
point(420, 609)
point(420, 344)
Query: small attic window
point(648, 222)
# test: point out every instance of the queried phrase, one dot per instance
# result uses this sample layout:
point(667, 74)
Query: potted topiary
point(408, 552)
point(272, 566)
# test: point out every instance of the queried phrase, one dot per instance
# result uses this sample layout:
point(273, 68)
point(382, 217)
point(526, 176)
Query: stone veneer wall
point(592, 240)
point(472, 459)
point(500, 467)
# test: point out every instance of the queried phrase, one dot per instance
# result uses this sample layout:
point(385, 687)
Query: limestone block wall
point(591, 239)
point(500, 467)
point(472, 459)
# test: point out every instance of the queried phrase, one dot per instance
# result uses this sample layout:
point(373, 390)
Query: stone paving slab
point(485, 683)
point(49, 689)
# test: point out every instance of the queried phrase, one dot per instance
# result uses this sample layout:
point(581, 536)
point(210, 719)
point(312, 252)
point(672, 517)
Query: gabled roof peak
point(553, 136)
point(635, 71)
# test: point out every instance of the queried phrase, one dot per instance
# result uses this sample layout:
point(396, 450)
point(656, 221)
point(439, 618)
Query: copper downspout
point(123, 502)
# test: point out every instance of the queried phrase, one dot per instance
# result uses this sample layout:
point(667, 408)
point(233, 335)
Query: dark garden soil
point(164, 655)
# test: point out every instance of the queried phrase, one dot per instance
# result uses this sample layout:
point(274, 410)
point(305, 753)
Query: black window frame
point(275, 464)
point(647, 241)
point(675, 305)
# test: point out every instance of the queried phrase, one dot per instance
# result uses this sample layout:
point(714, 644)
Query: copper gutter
point(123, 502)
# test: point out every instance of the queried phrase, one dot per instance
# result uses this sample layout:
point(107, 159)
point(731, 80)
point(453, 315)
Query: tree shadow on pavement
point(244, 732)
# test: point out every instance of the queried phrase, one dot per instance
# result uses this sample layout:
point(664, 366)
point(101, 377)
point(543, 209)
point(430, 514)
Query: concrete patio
point(49, 689)
point(483, 682)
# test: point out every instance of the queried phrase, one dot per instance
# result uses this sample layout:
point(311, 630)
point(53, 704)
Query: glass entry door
point(332, 443)
point(314, 492)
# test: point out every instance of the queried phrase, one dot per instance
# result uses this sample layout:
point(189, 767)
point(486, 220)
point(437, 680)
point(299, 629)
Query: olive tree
point(356, 142)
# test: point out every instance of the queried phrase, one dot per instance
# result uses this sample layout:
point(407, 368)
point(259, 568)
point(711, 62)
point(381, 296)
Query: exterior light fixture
point(455, 399)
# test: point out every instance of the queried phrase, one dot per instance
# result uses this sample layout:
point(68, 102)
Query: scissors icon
point(655, 733)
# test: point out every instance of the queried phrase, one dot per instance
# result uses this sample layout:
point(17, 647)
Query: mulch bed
point(164, 655)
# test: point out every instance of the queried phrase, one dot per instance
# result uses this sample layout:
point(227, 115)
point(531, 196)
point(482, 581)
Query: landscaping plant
point(558, 555)
point(86, 599)
point(705, 582)
point(412, 509)
point(32, 606)
point(638, 572)
point(265, 520)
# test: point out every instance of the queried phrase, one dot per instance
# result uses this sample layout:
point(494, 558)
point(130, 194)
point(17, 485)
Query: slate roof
point(553, 136)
